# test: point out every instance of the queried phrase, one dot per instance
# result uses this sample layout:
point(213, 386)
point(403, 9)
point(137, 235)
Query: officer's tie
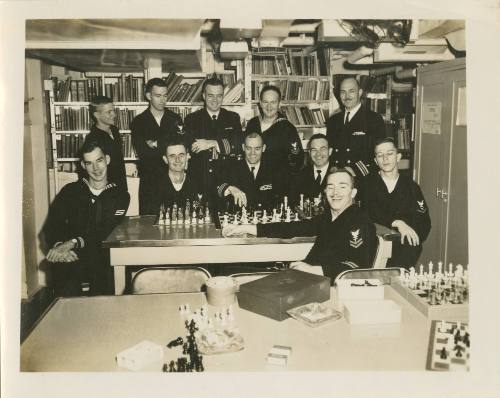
point(346, 118)
point(318, 177)
point(252, 169)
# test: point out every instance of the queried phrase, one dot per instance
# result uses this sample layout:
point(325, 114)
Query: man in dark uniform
point(396, 201)
point(352, 132)
point(253, 181)
point(81, 216)
point(103, 131)
point(311, 179)
point(345, 236)
point(150, 132)
point(214, 135)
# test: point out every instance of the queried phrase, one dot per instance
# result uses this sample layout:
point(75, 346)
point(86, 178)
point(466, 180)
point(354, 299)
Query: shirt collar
point(353, 111)
point(257, 166)
point(211, 114)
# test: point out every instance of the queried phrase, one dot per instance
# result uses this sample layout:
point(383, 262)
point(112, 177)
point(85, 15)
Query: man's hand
point(238, 230)
point(240, 198)
point(406, 232)
point(62, 253)
point(302, 266)
point(152, 144)
point(202, 145)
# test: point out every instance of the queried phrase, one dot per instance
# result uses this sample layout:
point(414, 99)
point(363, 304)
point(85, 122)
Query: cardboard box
point(273, 295)
point(360, 289)
point(359, 312)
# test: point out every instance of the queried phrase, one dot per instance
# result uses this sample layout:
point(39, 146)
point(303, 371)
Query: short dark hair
point(155, 81)
point(97, 101)
point(176, 140)
point(88, 146)
point(355, 77)
point(212, 81)
point(317, 136)
point(252, 134)
point(269, 87)
point(348, 171)
point(384, 140)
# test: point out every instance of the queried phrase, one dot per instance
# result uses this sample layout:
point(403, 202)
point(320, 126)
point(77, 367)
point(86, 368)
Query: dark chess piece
point(175, 343)
point(443, 354)
point(466, 339)
point(171, 367)
point(458, 350)
point(164, 368)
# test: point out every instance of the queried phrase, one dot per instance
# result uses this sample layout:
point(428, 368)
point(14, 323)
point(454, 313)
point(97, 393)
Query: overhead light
point(233, 49)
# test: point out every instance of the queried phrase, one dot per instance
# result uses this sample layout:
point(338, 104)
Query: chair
point(384, 252)
point(245, 277)
point(385, 275)
point(169, 280)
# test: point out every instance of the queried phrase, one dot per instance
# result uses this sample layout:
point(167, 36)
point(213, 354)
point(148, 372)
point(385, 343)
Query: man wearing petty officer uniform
point(352, 132)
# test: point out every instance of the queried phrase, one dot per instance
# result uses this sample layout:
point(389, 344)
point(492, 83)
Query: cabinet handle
point(439, 193)
point(444, 195)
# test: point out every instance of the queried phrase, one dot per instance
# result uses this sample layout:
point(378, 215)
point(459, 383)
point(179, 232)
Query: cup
point(221, 291)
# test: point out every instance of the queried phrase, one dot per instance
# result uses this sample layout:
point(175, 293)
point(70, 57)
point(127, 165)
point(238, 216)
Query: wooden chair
point(169, 280)
point(384, 252)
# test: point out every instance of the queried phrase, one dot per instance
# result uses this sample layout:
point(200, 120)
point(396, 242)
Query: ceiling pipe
point(403, 74)
point(358, 54)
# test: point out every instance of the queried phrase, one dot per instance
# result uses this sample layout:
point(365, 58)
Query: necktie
point(347, 118)
point(318, 177)
point(214, 117)
point(252, 169)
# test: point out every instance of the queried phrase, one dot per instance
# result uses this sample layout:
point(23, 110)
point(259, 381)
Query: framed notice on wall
point(431, 118)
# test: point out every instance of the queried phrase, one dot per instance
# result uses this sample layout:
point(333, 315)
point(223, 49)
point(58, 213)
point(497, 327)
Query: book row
point(74, 119)
point(305, 115)
point(275, 61)
point(68, 145)
point(311, 90)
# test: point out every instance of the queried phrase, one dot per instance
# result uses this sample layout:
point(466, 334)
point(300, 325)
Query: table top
point(140, 231)
point(85, 334)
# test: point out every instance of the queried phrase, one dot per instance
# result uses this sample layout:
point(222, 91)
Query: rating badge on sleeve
point(294, 148)
point(356, 240)
point(421, 208)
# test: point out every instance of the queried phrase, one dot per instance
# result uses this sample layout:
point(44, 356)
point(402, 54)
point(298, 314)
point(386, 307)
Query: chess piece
point(264, 217)
point(225, 222)
point(255, 220)
point(443, 354)
point(301, 205)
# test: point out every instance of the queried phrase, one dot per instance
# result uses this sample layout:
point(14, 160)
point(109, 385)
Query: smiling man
point(311, 180)
point(345, 236)
point(81, 216)
point(253, 181)
point(214, 135)
point(396, 201)
point(352, 132)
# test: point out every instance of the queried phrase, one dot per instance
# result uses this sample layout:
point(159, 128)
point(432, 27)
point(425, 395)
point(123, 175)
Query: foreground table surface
point(85, 334)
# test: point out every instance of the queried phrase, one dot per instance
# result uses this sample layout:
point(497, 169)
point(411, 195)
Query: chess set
point(443, 294)
point(190, 214)
point(281, 213)
point(449, 344)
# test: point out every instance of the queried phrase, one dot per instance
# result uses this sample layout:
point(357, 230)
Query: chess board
point(181, 223)
point(420, 299)
point(256, 217)
point(448, 350)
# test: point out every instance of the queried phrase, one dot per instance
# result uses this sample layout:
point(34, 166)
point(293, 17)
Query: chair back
point(169, 280)
point(384, 252)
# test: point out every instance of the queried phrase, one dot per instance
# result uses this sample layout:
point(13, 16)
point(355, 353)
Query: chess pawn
point(301, 205)
point(194, 218)
point(255, 220)
point(225, 221)
point(235, 221)
point(296, 217)
point(167, 217)
point(207, 215)
point(264, 217)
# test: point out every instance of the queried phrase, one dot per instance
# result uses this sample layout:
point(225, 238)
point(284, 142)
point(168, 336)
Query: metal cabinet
point(441, 159)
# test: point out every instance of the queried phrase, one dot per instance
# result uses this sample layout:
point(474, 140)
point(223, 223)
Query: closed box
point(360, 289)
point(359, 312)
point(273, 295)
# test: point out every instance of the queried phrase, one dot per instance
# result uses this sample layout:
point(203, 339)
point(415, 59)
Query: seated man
point(81, 216)
point(396, 201)
point(345, 237)
point(252, 181)
point(177, 185)
point(309, 182)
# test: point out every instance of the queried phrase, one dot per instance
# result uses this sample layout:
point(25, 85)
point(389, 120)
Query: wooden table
point(85, 334)
point(137, 241)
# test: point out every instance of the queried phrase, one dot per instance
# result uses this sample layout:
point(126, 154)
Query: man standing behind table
point(253, 181)
point(353, 132)
point(396, 201)
point(103, 131)
point(310, 181)
point(81, 216)
point(150, 132)
point(345, 236)
point(214, 136)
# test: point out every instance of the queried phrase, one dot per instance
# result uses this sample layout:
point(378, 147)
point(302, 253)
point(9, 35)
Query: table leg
point(119, 272)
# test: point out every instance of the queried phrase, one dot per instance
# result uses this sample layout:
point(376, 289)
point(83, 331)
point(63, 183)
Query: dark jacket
point(406, 202)
point(206, 164)
point(305, 183)
point(114, 148)
point(151, 166)
point(265, 191)
point(353, 142)
point(283, 144)
point(168, 195)
point(347, 242)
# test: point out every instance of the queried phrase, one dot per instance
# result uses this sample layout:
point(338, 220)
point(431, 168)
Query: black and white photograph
point(278, 201)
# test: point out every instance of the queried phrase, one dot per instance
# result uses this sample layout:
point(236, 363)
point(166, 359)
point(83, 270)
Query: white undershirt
point(158, 119)
point(96, 192)
point(390, 183)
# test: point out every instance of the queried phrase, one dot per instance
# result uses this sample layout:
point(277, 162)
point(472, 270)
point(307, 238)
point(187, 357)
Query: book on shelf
point(183, 111)
point(68, 145)
point(68, 118)
point(125, 88)
point(295, 90)
point(302, 115)
point(281, 61)
point(76, 90)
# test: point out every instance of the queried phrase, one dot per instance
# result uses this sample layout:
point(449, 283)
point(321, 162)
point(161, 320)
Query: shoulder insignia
point(356, 240)
point(266, 187)
point(421, 208)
